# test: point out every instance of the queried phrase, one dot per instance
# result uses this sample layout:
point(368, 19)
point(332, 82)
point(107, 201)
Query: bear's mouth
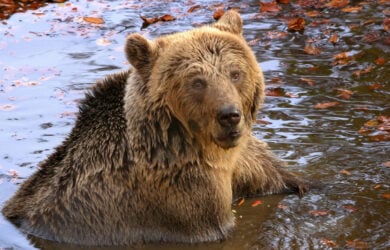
point(229, 139)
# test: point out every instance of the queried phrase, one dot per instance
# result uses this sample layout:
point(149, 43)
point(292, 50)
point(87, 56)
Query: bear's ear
point(141, 54)
point(231, 22)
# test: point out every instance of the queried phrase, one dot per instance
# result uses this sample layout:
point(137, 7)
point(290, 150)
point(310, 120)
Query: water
point(49, 57)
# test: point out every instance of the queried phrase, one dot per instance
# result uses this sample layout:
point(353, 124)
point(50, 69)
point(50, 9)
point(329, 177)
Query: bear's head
point(208, 78)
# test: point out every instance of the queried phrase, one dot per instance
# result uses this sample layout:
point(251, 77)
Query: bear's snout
point(229, 116)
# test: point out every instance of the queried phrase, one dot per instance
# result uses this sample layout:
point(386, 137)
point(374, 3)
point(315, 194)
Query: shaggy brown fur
point(158, 152)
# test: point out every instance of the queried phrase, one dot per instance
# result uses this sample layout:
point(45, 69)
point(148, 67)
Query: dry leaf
point(281, 206)
point(334, 38)
point(274, 91)
point(337, 3)
point(166, 18)
point(313, 13)
point(94, 20)
point(325, 105)
point(345, 93)
point(256, 203)
point(148, 21)
point(377, 186)
point(375, 86)
point(386, 195)
point(218, 13)
point(328, 243)
point(312, 50)
point(387, 164)
point(319, 212)
point(356, 244)
point(358, 73)
point(354, 9)
point(193, 8)
point(296, 24)
point(6, 107)
point(386, 24)
point(350, 208)
point(264, 122)
point(380, 61)
point(345, 172)
point(284, 1)
point(308, 81)
point(269, 6)
point(240, 202)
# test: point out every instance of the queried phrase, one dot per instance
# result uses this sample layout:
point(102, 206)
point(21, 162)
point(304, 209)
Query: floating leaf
point(240, 202)
point(269, 6)
point(356, 244)
point(281, 206)
point(387, 164)
point(148, 21)
point(319, 212)
point(296, 24)
point(345, 93)
point(337, 3)
point(6, 107)
point(386, 195)
point(328, 243)
point(312, 50)
point(366, 70)
point(103, 41)
point(193, 8)
point(325, 105)
point(284, 1)
point(94, 20)
point(167, 18)
point(345, 172)
point(308, 81)
point(256, 203)
point(274, 91)
point(313, 13)
point(375, 86)
point(380, 61)
point(354, 9)
point(218, 13)
point(264, 122)
point(350, 208)
point(334, 38)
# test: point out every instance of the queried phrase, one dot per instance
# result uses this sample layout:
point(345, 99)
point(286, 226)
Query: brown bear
point(158, 152)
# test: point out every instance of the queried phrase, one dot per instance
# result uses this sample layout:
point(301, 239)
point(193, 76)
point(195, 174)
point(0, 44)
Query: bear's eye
point(235, 76)
point(199, 83)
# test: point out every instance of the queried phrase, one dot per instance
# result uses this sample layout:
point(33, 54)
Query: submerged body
point(159, 151)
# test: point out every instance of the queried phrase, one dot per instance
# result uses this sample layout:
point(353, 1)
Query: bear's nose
point(229, 116)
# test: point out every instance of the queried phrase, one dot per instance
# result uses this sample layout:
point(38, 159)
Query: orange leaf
point(345, 93)
point(380, 61)
point(269, 6)
point(329, 243)
point(377, 186)
point(7, 107)
point(386, 24)
point(386, 195)
point(312, 50)
point(334, 38)
point(313, 13)
point(284, 1)
point(308, 81)
point(240, 202)
point(264, 122)
point(296, 24)
point(148, 21)
point(218, 13)
point(352, 9)
point(337, 3)
point(256, 203)
point(281, 206)
point(166, 18)
point(362, 71)
point(376, 86)
point(356, 244)
point(274, 92)
point(387, 164)
point(319, 212)
point(94, 20)
point(193, 8)
point(325, 105)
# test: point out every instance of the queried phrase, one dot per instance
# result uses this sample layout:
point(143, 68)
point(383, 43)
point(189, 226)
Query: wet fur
point(138, 168)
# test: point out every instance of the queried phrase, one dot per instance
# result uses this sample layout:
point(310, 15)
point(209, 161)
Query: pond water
point(327, 113)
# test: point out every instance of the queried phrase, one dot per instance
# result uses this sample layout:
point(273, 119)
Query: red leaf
point(274, 92)
point(350, 208)
point(337, 3)
point(218, 13)
point(166, 18)
point(256, 203)
point(334, 38)
point(380, 61)
point(193, 8)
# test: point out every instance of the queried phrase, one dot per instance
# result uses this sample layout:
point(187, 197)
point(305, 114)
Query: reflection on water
point(49, 58)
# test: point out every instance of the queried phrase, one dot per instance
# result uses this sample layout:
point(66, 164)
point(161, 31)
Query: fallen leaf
point(269, 6)
point(313, 13)
point(193, 8)
point(345, 93)
point(377, 186)
point(337, 3)
point(319, 212)
point(167, 18)
point(353, 9)
point(345, 172)
point(7, 107)
point(375, 86)
point(312, 50)
point(356, 244)
point(296, 24)
point(148, 21)
point(240, 202)
point(371, 123)
point(254, 42)
point(256, 203)
point(281, 206)
point(274, 34)
point(218, 13)
point(358, 73)
point(380, 61)
point(274, 91)
point(13, 173)
point(103, 41)
point(334, 38)
point(350, 208)
point(328, 243)
point(325, 105)
point(264, 122)
point(291, 95)
point(386, 195)
point(94, 20)
point(308, 81)
point(386, 24)
point(387, 164)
